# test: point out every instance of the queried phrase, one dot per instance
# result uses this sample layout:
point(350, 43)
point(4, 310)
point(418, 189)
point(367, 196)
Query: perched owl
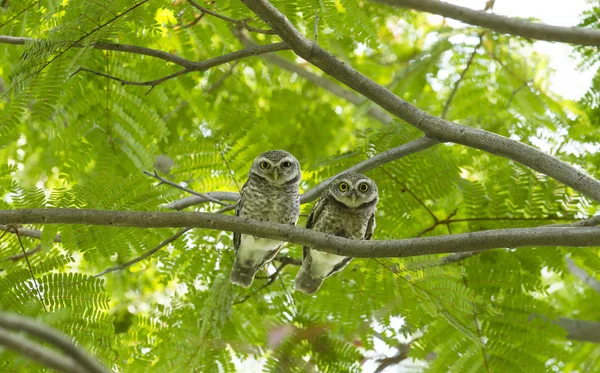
point(346, 209)
point(270, 194)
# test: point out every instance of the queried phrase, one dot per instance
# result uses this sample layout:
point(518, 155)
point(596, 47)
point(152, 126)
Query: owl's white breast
point(323, 263)
point(255, 248)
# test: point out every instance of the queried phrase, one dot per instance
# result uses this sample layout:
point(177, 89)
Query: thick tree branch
point(38, 353)
point(50, 335)
point(433, 127)
point(198, 66)
point(457, 257)
point(581, 330)
point(454, 243)
point(502, 24)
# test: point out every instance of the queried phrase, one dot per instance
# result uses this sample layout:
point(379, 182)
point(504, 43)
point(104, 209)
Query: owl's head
point(354, 190)
point(277, 167)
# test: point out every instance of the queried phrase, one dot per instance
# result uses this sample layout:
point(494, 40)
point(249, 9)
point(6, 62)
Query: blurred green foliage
point(83, 140)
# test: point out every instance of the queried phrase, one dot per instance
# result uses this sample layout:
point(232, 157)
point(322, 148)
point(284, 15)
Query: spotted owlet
point(346, 209)
point(270, 194)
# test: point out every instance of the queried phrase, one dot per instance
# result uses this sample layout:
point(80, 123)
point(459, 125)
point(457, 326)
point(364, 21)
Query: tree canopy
point(116, 115)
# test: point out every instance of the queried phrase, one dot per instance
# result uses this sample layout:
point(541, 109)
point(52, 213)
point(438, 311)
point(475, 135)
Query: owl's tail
point(306, 283)
point(242, 276)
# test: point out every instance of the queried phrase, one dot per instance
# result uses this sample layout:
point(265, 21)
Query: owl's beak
point(275, 175)
point(353, 198)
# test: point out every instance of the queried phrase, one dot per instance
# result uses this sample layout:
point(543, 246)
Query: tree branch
point(436, 128)
point(134, 49)
point(502, 24)
point(373, 162)
point(375, 112)
point(230, 20)
point(31, 233)
point(36, 352)
point(195, 200)
point(146, 254)
point(457, 257)
point(475, 241)
point(581, 274)
point(24, 254)
point(364, 166)
point(52, 336)
point(271, 278)
point(198, 66)
point(175, 185)
point(581, 330)
point(460, 79)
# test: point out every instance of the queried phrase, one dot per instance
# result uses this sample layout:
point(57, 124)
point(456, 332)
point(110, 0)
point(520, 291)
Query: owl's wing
point(238, 209)
point(312, 218)
point(370, 227)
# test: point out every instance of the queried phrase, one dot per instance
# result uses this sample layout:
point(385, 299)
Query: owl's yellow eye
point(286, 164)
point(363, 187)
point(343, 187)
point(264, 165)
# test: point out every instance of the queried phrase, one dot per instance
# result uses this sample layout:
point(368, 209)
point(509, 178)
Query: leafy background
point(83, 140)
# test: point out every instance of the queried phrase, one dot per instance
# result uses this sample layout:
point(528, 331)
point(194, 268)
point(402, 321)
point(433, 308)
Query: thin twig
point(190, 191)
point(19, 14)
point(401, 355)
point(216, 85)
point(25, 254)
point(407, 189)
point(514, 94)
point(191, 24)
point(460, 79)
point(288, 260)
point(229, 169)
point(449, 220)
point(436, 223)
point(196, 66)
point(35, 283)
point(146, 254)
point(271, 278)
point(316, 29)
point(78, 41)
point(231, 20)
point(479, 333)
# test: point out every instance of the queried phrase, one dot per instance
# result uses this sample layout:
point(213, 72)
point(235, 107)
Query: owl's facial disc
point(353, 194)
point(277, 172)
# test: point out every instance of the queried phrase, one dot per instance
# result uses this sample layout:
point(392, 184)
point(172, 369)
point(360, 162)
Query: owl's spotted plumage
point(270, 194)
point(346, 209)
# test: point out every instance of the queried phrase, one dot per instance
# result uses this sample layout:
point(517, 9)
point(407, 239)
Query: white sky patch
point(568, 80)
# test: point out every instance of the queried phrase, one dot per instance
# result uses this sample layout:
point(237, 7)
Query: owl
point(346, 209)
point(270, 194)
